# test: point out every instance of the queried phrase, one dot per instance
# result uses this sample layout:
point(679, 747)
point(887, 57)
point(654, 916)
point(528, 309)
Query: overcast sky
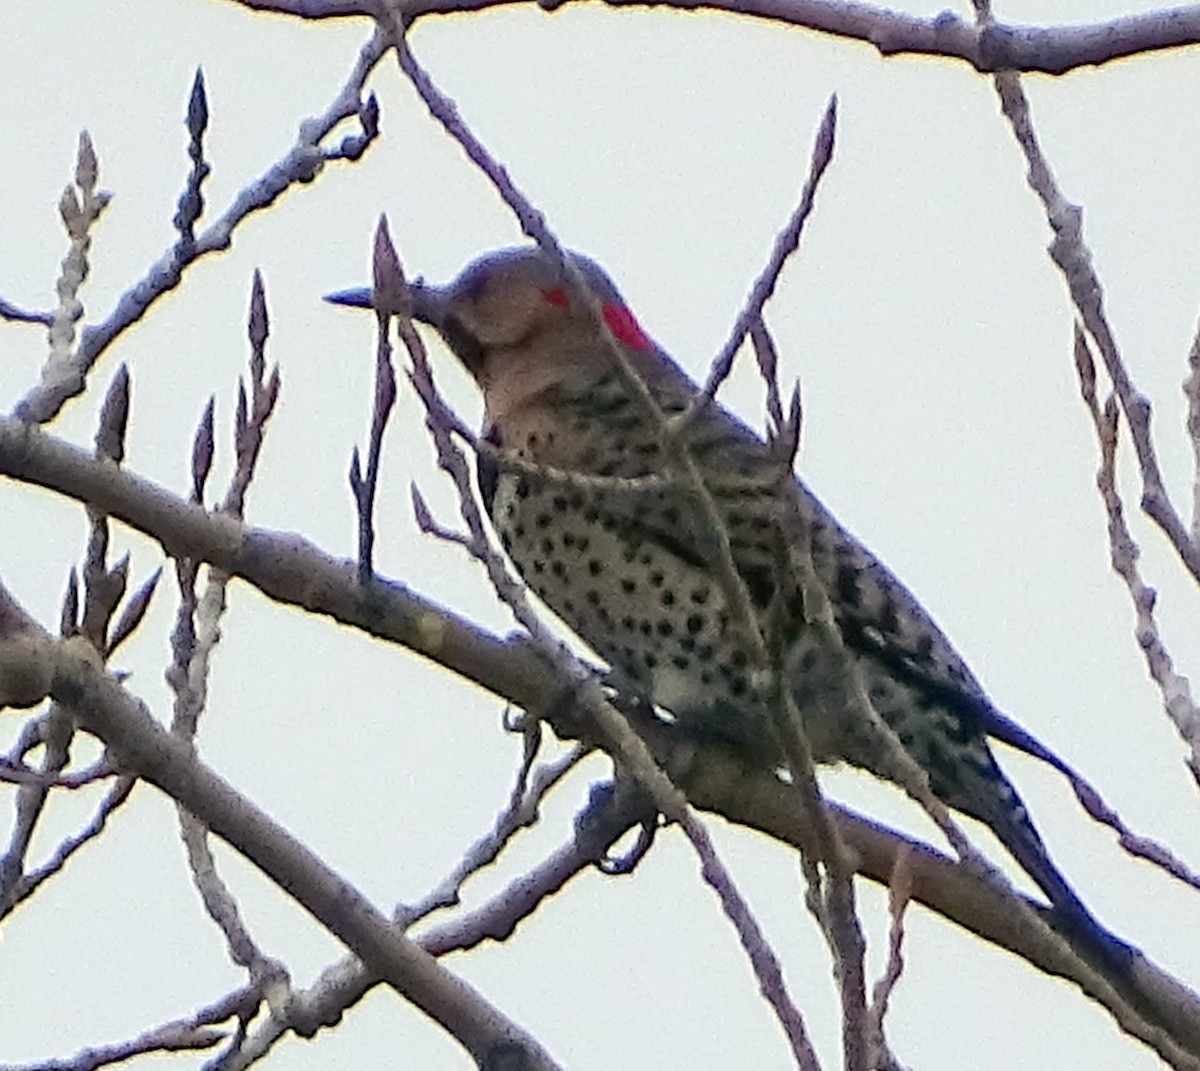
point(931, 336)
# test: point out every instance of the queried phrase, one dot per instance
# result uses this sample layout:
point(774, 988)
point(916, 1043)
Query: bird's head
point(510, 318)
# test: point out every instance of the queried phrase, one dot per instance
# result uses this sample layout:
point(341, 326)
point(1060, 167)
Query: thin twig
point(64, 376)
point(520, 812)
point(295, 572)
point(786, 243)
point(1074, 260)
point(1191, 391)
point(899, 897)
point(389, 291)
point(623, 743)
point(1175, 689)
point(197, 632)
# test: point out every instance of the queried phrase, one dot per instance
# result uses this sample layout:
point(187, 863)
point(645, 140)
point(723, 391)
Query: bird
point(581, 476)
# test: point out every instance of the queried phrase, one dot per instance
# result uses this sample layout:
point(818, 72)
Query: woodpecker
point(584, 494)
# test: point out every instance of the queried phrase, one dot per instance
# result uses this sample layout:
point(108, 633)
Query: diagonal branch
point(289, 569)
point(107, 710)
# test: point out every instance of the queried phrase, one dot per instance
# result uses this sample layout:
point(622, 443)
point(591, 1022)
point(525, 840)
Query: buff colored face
point(502, 302)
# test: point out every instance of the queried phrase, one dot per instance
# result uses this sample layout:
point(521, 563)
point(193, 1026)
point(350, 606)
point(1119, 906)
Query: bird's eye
point(557, 296)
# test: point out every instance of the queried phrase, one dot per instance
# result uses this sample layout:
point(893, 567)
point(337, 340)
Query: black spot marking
point(760, 583)
point(795, 606)
point(695, 623)
point(846, 585)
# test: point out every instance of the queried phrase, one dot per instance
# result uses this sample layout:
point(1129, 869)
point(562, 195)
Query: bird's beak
point(357, 298)
point(429, 303)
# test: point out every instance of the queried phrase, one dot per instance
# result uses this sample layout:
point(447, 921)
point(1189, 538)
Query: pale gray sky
point(942, 423)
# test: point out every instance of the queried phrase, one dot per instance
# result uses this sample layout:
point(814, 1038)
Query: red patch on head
point(556, 296)
point(625, 328)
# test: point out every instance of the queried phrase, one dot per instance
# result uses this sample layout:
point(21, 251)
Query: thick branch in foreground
point(291, 570)
point(145, 748)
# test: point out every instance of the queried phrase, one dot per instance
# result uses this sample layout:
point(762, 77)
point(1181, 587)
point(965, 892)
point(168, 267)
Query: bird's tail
point(1069, 915)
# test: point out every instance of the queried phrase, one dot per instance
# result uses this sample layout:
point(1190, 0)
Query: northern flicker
point(626, 557)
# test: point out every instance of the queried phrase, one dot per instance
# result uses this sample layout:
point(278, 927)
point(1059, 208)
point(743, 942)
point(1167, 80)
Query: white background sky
point(932, 338)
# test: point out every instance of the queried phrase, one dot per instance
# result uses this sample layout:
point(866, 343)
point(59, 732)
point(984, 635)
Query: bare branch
point(291, 570)
point(191, 201)
point(389, 294)
point(899, 896)
point(1176, 690)
point(114, 418)
point(135, 610)
point(64, 376)
point(251, 427)
point(1191, 391)
point(520, 812)
point(113, 800)
point(786, 243)
point(1074, 260)
point(171, 764)
point(16, 314)
point(991, 47)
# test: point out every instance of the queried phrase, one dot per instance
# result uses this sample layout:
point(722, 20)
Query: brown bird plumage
point(630, 568)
